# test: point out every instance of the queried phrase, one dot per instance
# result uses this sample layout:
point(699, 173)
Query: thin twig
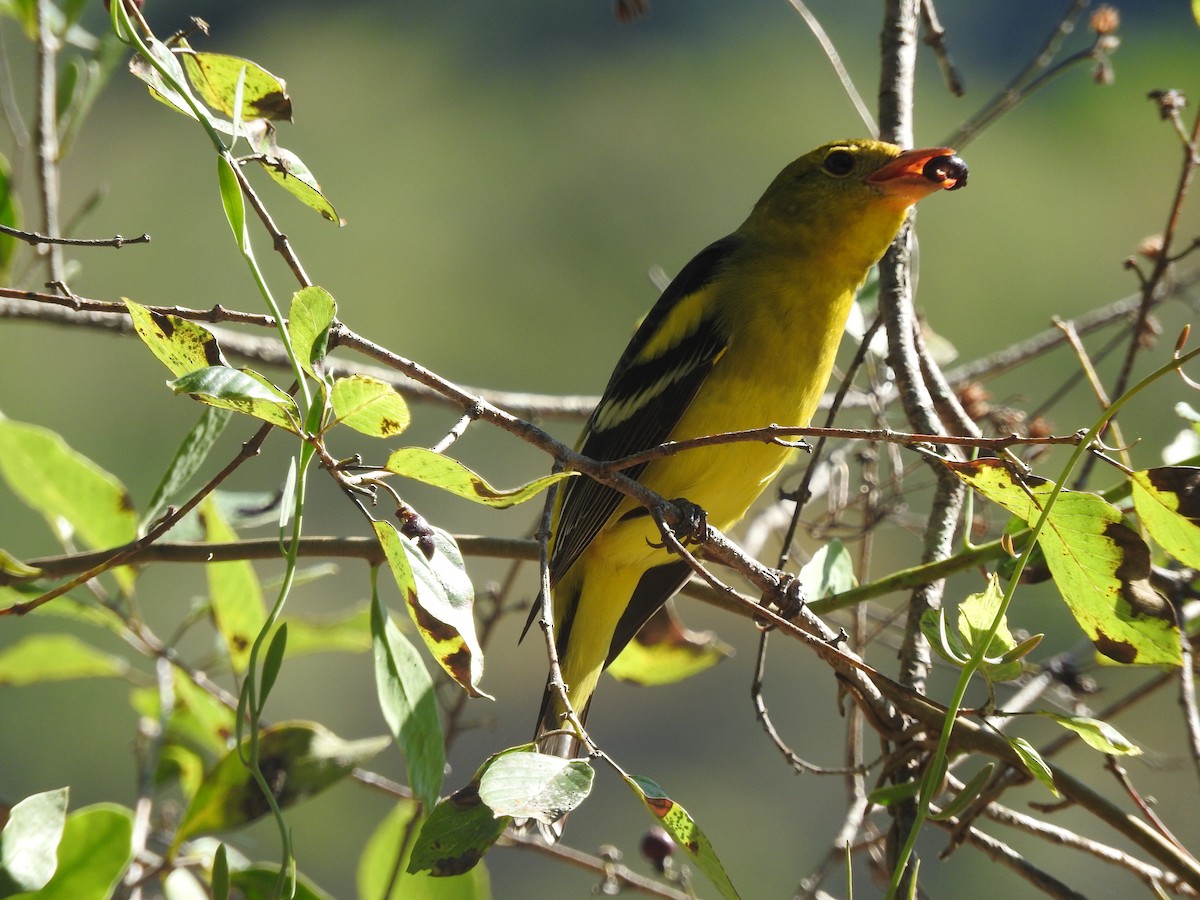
point(46, 126)
point(935, 37)
point(999, 852)
point(34, 239)
point(1055, 834)
point(839, 68)
point(1028, 79)
point(1151, 284)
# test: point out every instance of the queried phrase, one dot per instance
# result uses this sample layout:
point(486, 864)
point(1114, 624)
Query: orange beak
point(918, 173)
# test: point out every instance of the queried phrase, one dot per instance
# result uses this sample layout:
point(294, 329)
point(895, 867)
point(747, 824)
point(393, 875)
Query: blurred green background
point(508, 174)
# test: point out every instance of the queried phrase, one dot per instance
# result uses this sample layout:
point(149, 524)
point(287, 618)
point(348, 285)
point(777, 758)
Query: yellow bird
point(744, 337)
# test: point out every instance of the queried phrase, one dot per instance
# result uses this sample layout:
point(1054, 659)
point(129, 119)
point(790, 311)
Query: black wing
point(643, 402)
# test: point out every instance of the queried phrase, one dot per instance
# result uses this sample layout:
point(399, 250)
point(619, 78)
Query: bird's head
point(859, 189)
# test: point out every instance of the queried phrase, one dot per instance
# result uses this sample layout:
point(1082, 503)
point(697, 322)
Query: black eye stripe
point(839, 162)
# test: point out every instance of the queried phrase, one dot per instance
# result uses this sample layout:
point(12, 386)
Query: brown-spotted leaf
point(214, 76)
point(440, 599)
point(450, 475)
point(299, 759)
point(369, 406)
point(1099, 564)
point(683, 828)
point(1167, 501)
point(181, 345)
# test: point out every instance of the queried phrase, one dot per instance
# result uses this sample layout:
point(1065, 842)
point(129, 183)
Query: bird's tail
point(553, 739)
point(553, 736)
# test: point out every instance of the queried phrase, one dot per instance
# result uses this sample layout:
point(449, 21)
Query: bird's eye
point(839, 162)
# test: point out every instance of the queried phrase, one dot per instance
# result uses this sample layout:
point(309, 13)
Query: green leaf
point(530, 785)
point(891, 794)
point(242, 390)
point(214, 76)
point(462, 827)
point(1196, 11)
point(96, 848)
point(303, 759)
point(944, 641)
point(409, 705)
point(312, 313)
point(273, 661)
point(220, 874)
point(67, 87)
point(369, 405)
point(829, 572)
point(72, 493)
point(186, 462)
point(1033, 761)
point(686, 833)
point(450, 475)
point(261, 882)
point(56, 657)
point(665, 651)
point(233, 202)
point(969, 792)
point(387, 851)
point(29, 842)
point(1167, 501)
point(289, 172)
point(976, 614)
point(440, 599)
point(10, 215)
point(457, 834)
point(1099, 564)
point(1097, 734)
point(183, 346)
point(234, 594)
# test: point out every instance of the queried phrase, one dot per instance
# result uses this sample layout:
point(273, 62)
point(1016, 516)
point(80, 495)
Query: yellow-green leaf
point(313, 310)
point(181, 345)
point(234, 594)
point(1033, 761)
point(683, 828)
point(78, 499)
point(290, 173)
point(1099, 564)
point(1097, 734)
point(1167, 501)
point(975, 617)
point(10, 565)
point(665, 651)
point(214, 76)
point(450, 475)
point(56, 657)
point(369, 405)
